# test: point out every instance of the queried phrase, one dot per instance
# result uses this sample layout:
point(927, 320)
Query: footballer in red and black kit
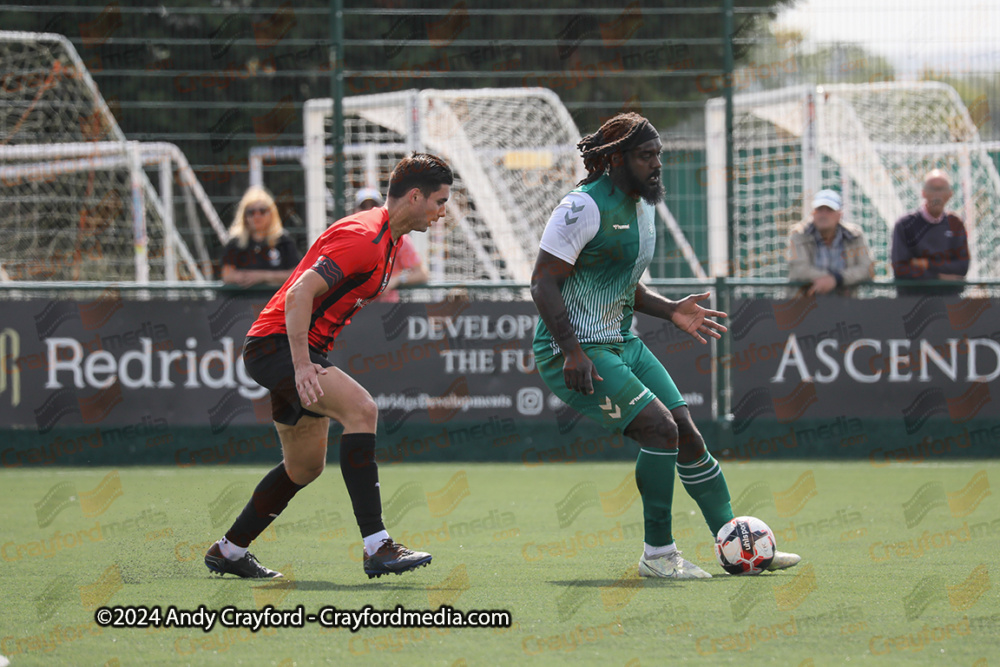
point(354, 256)
point(285, 351)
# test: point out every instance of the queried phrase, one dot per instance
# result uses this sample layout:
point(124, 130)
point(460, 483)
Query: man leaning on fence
point(930, 243)
point(827, 252)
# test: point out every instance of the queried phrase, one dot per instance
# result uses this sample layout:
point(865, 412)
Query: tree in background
point(220, 78)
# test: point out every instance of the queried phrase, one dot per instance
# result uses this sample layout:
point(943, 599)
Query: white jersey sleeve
point(573, 223)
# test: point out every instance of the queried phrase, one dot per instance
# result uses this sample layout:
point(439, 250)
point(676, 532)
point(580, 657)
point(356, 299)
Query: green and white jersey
point(609, 239)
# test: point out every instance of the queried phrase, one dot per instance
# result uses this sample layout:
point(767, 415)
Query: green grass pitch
point(899, 566)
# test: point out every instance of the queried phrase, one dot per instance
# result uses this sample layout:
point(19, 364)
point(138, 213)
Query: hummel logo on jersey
point(622, 226)
point(573, 209)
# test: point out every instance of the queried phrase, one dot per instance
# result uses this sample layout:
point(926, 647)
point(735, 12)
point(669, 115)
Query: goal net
point(872, 142)
point(514, 154)
point(76, 201)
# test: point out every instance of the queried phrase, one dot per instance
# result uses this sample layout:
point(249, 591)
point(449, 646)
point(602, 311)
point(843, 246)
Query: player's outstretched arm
point(298, 313)
point(547, 279)
point(686, 314)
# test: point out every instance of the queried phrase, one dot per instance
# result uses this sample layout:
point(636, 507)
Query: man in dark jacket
point(930, 244)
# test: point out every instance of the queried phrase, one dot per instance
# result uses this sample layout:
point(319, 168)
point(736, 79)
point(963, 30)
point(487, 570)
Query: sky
point(961, 34)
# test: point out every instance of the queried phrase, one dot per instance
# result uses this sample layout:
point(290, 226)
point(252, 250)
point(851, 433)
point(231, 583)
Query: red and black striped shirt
point(354, 256)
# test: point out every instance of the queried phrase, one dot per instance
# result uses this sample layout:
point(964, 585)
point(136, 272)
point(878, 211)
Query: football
point(745, 545)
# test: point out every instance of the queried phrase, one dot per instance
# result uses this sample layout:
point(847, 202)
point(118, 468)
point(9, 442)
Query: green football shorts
point(633, 377)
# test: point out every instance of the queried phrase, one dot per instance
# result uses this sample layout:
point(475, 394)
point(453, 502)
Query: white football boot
point(670, 566)
point(783, 560)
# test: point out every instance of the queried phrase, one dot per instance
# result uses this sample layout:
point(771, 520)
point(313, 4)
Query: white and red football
point(745, 545)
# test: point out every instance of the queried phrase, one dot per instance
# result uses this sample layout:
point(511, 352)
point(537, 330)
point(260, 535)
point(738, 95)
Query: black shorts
point(268, 360)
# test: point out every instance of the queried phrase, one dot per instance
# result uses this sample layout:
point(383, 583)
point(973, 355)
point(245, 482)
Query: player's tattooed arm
point(686, 314)
point(651, 303)
point(546, 291)
point(562, 330)
point(547, 279)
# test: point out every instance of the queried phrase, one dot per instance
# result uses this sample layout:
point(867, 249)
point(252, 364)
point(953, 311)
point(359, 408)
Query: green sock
point(654, 475)
point(704, 481)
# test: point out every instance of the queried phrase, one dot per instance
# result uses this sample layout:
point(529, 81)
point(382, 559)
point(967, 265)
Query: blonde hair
point(239, 230)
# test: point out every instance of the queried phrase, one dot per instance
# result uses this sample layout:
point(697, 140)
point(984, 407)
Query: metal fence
point(225, 82)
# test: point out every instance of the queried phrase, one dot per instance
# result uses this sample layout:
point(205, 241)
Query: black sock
point(269, 498)
point(357, 465)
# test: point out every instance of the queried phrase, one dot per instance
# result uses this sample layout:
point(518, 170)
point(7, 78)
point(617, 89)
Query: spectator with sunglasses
point(259, 250)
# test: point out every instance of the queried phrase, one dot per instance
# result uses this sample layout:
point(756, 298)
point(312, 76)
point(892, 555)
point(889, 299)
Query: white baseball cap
point(827, 198)
point(364, 194)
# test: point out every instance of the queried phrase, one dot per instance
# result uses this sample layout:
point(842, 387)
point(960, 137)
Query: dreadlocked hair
point(615, 135)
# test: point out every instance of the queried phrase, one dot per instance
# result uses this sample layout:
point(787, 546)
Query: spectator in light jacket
point(827, 252)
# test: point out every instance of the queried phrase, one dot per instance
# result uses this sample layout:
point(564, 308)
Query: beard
point(651, 192)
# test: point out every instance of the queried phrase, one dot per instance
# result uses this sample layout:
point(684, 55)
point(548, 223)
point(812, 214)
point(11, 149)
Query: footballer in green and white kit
point(609, 238)
point(586, 284)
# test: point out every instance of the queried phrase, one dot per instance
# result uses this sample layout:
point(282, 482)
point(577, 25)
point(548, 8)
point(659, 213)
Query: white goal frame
point(409, 117)
point(826, 125)
point(37, 162)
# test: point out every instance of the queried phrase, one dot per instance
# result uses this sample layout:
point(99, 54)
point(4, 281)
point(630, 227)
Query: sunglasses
point(262, 211)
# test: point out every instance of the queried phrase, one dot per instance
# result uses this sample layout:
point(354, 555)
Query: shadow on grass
point(637, 582)
point(300, 585)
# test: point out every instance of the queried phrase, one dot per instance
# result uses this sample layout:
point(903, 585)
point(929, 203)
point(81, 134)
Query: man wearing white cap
point(826, 251)
point(367, 198)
